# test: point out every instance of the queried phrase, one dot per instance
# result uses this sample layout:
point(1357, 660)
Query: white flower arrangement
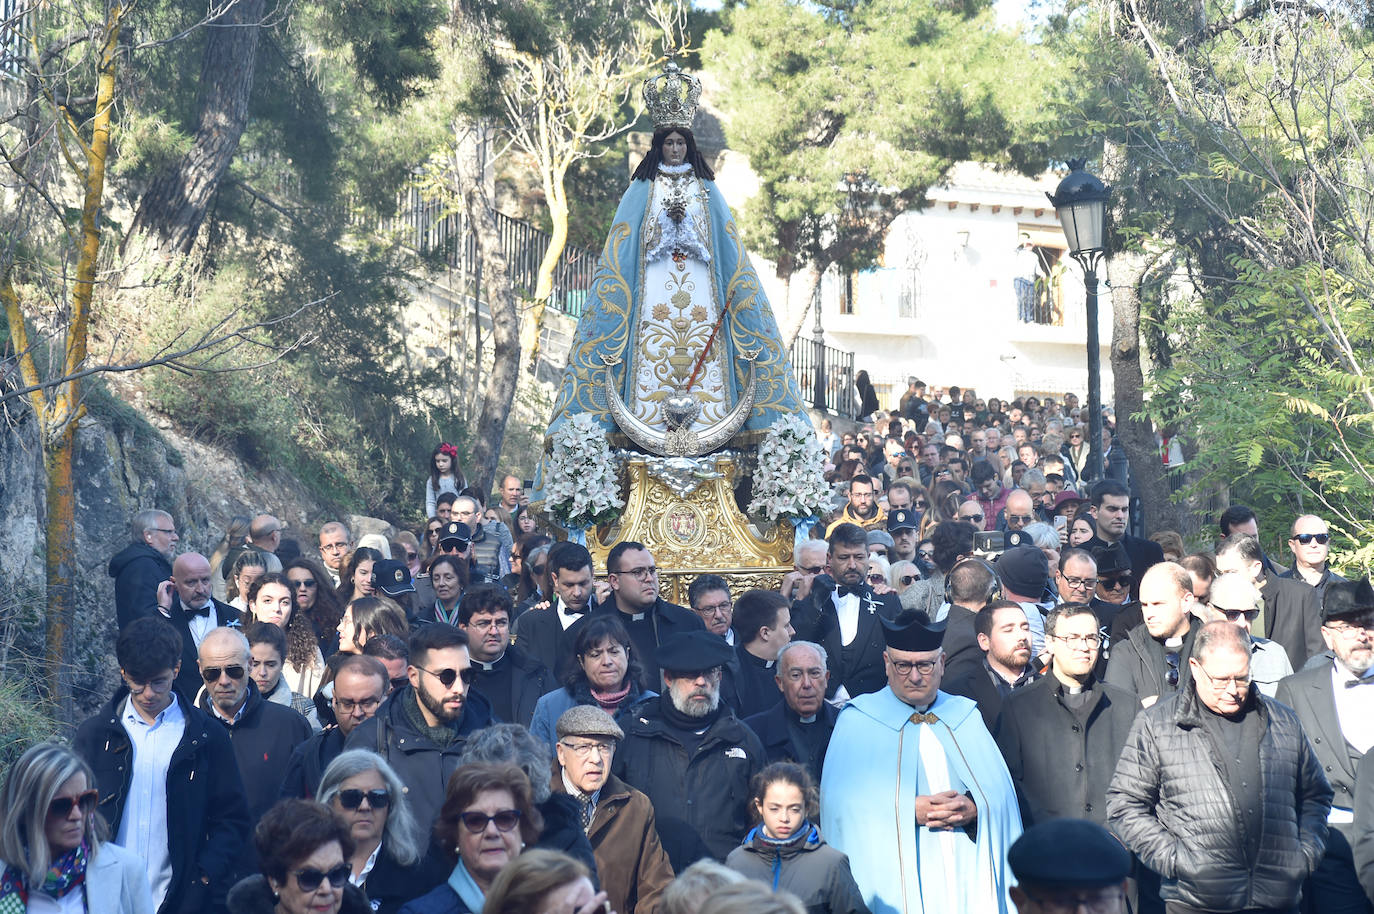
point(583, 485)
point(790, 482)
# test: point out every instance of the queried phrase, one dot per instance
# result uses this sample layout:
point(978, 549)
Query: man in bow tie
point(1335, 702)
point(185, 601)
point(841, 613)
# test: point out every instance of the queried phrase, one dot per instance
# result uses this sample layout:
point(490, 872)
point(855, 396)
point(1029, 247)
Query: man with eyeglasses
point(491, 540)
point(511, 680)
point(862, 507)
point(630, 861)
point(360, 687)
point(1234, 598)
point(264, 734)
point(1061, 736)
point(1151, 662)
point(648, 617)
point(971, 511)
point(1292, 609)
point(1067, 865)
point(943, 845)
point(422, 727)
point(709, 597)
point(798, 728)
point(169, 786)
point(1309, 541)
point(688, 752)
point(336, 542)
point(1335, 703)
point(143, 566)
point(1218, 789)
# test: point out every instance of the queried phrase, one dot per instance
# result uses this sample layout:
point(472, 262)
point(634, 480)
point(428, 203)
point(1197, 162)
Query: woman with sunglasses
point(303, 850)
point(317, 600)
point(430, 541)
point(387, 861)
point(487, 819)
point(53, 842)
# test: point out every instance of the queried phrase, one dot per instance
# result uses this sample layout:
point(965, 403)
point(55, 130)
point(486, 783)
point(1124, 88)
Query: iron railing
point(825, 375)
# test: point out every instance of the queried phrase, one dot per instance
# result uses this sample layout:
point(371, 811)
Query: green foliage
point(24, 722)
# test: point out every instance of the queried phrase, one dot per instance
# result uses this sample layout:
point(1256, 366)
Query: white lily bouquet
point(790, 482)
point(582, 480)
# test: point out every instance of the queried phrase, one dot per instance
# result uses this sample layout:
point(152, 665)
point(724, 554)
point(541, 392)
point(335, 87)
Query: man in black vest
point(1335, 703)
point(185, 601)
point(841, 613)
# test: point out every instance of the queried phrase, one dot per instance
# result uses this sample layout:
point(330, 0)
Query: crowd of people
point(976, 690)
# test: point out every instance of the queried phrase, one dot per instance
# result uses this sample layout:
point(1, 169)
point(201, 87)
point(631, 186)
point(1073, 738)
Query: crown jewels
point(672, 97)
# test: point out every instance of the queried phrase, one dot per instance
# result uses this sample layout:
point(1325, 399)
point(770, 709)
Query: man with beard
point(1152, 660)
point(422, 727)
point(688, 753)
point(1062, 735)
point(842, 614)
point(508, 677)
point(1004, 637)
point(1335, 703)
point(862, 509)
point(943, 845)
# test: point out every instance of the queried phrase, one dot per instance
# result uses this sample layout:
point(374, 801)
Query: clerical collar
point(488, 667)
point(675, 169)
point(811, 719)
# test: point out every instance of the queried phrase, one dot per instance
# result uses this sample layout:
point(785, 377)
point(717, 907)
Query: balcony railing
point(825, 375)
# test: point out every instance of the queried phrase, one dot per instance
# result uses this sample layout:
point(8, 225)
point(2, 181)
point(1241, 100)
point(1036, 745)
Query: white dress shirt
point(1354, 706)
point(847, 608)
point(143, 825)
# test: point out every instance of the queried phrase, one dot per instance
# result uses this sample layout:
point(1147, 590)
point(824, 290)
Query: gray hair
point(691, 888)
point(402, 833)
point(30, 786)
point(1042, 534)
point(233, 634)
point(512, 744)
point(143, 521)
point(750, 897)
point(820, 651)
point(1218, 636)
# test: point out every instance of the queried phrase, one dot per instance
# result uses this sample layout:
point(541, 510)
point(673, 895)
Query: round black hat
point(694, 651)
point(1068, 852)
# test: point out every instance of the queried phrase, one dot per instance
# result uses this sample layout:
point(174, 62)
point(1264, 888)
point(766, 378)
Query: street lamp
point(1081, 202)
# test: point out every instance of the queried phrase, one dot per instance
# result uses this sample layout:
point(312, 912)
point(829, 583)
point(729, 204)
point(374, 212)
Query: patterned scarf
point(66, 874)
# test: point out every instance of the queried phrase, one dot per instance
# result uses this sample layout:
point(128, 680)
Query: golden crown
point(672, 97)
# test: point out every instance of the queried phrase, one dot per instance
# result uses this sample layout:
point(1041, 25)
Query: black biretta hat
point(912, 630)
point(1068, 853)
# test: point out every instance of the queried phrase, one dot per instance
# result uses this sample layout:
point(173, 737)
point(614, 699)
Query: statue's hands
point(677, 210)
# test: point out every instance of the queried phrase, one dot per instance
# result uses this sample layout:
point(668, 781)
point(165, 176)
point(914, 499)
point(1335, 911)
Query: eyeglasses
point(411, 556)
point(642, 573)
point(1080, 583)
point(1083, 641)
point(448, 677)
point(309, 879)
point(159, 685)
point(711, 609)
point(163, 530)
point(904, 667)
point(348, 705)
point(1070, 903)
point(212, 673)
point(476, 822)
point(1358, 627)
point(307, 583)
point(907, 580)
point(1225, 682)
point(1307, 538)
point(61, 807)
point(1171, 677)
point(926, 553)
point(583, 750)
point(922, 504)
point(1235, 615)
point(433, 531)
point(486, 624)
point(376, 799)
point(1115, 582)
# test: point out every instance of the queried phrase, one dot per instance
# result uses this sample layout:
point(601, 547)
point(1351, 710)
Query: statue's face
point(674, 149)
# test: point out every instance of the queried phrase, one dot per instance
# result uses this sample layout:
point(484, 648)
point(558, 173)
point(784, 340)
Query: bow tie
point(203, 612)
point(1351, 683)
point(576, 612)
point(845, 590)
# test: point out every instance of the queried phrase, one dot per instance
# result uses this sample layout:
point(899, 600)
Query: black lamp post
point(1081, 201)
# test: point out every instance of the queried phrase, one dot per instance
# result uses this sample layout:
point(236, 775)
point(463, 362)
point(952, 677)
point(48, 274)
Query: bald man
point(1235, 598)
point(185, 601)
point(1152, 660)
point(1308, 539)
point(1019, 512)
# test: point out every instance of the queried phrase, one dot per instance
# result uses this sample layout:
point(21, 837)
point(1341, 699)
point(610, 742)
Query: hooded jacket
point(806, 866)
point(137, 569)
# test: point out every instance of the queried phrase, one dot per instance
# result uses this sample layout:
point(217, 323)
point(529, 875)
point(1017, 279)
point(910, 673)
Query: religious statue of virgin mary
point(677, 352)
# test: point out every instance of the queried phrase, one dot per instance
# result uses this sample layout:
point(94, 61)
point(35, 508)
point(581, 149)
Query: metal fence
point(433, 231)
point(825, 375)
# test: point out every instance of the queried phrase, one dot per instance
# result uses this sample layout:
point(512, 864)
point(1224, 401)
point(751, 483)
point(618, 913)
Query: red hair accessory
point(448, 450)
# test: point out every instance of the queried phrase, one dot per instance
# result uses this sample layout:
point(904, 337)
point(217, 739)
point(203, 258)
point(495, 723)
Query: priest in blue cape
point(945, 849)
point(676, 331)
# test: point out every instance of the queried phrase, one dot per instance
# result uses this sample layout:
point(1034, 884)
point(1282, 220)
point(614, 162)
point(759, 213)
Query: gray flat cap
point(588, 720)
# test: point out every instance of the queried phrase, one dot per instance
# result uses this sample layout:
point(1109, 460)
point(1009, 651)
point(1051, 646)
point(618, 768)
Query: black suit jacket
point(815, 619)
point(962, 653)
point(542, 637)
point(1309, 693)
point(977, 685)
point(771, 728)
point(188, 679)
point(1292, 613)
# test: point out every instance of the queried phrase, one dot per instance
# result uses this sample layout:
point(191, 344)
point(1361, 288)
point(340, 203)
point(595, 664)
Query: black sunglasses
point(212, 674)
point(449, 677)
point(539, 569)
point(1115, 582)
point(476, 822)
point(1171, 677)
point(376, 799)
point(61, 807)
point(908, 580)
point(307, 583)
point(1307, 538)
point(309, 879)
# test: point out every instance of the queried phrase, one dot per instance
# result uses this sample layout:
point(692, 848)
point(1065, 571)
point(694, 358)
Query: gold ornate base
point(701, 533)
